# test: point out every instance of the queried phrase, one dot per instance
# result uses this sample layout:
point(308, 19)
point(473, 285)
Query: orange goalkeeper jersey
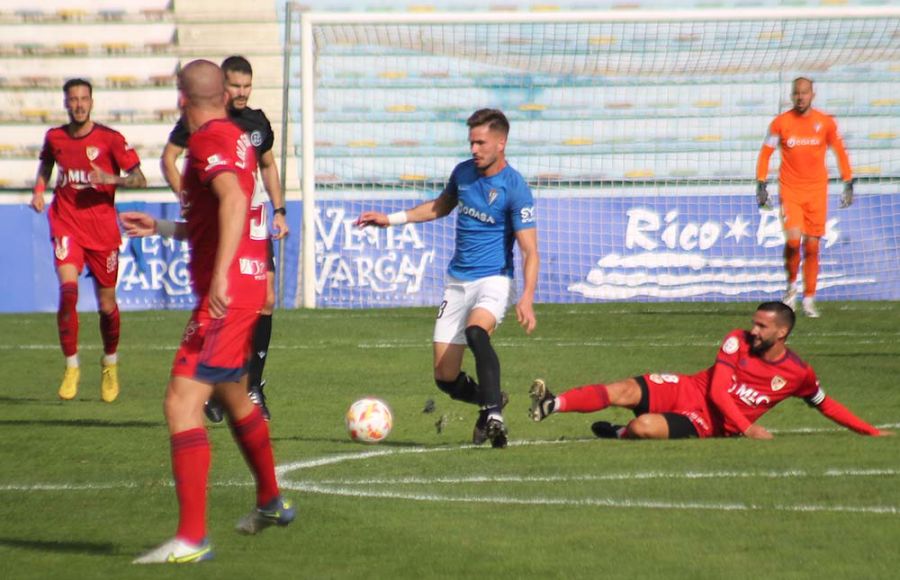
point(803, 140)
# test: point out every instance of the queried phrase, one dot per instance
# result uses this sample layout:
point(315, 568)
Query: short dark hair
point(493, 118)
point(784, 314)
point(77, 83)
point(237, 63)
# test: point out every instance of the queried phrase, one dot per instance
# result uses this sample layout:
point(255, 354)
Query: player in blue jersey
point(495, 209)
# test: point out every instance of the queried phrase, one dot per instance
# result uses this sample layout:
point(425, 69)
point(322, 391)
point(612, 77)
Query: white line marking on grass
point(345, 487)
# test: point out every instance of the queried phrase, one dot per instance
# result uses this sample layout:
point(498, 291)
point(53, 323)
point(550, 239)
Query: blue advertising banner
point(635, 248)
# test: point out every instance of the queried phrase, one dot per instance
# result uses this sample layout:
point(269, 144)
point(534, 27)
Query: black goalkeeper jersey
point(253, 121)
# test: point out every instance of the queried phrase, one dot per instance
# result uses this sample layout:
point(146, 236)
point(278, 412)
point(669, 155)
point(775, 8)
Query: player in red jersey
point(803, 134)
point(228, 270)
point(89, 158)
point(753, 372)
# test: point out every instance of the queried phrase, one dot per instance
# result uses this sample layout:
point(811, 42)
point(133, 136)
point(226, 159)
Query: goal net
point(638, 133)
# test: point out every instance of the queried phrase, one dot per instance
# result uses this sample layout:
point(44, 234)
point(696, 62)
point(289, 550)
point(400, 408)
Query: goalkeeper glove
point(847, 196)
point(762, 195)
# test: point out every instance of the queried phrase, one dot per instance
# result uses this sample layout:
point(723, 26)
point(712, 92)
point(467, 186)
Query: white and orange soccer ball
point(369, 420)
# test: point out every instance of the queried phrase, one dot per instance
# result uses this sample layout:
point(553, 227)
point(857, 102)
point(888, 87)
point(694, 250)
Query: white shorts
point(493, 293)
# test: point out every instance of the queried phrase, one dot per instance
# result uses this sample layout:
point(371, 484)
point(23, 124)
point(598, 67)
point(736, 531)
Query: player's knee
point(644, 427)
point(477, 338)
point(448, 387)
point(811, 247)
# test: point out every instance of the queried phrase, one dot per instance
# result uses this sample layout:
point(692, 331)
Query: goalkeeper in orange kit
point(803, 133)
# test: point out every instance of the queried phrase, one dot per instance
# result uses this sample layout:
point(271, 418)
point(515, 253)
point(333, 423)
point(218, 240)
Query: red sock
point(810, 265)
point(67, 318)
point(252, 435)
point(190, 466)
point(586, 399)
point(792, 259)
point(109, 330)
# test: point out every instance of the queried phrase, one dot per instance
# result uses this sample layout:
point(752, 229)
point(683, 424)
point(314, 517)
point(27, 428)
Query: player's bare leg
point(810, 275)
point(67, 325)
point(109, 331)
point(791, 265)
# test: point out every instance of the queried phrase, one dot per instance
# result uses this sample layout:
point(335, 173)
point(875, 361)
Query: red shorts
point(681, 394)
point(215, 350)
point(103, 264)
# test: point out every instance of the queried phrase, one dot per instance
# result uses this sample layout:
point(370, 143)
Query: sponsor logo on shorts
point(191, 330)
point(730, 346)
point(61, 248)
point(252, 267)
point(112, 261)
point(660, 378)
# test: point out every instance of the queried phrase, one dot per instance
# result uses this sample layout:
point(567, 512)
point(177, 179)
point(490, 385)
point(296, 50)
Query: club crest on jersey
point(818, 127)
point(492, 196)
point(778, 383)
point(91, 152)
point(256, 138)
point(62, 248)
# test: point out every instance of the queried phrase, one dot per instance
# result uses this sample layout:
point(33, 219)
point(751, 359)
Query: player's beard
point(762, 347)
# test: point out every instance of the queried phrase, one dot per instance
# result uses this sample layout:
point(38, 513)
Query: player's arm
point(168, 164)
point(272, 183)
point(45, 169)
point(531, 261)
point(232, 217)
point(762, 164)
point(134, 179)
point(720, 398)
point(816, 397)
point(836, 142)
point(436, 208)
point(140, 225)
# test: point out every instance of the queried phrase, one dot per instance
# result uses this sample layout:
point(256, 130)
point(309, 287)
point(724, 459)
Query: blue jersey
point(490, 210)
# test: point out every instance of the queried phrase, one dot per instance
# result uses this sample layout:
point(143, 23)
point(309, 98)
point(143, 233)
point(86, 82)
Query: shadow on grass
point(64, 547)
point(82, 423)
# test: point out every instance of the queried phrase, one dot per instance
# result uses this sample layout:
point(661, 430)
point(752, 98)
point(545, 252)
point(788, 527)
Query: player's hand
point(218, 297)
point(762, 194)
point(100, 177)
point(372, 218)
point(138, 224)
point(525, 315)
point(847, 195)
point(757, 432)
point(280, 227)
point(37, 201)
point(883, 433)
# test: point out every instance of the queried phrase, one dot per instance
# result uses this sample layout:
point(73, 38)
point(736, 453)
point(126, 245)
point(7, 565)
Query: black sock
point(464, 388)
point(487, 365)
point(262, 334)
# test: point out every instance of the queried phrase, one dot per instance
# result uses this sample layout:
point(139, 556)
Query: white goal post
point(614, 113)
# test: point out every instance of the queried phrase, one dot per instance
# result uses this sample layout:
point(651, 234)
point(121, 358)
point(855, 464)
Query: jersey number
point(441, 308)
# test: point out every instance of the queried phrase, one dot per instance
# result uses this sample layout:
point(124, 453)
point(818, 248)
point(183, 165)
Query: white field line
point(343, 487)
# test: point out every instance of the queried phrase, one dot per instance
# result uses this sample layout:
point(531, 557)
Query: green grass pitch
point(86, 486)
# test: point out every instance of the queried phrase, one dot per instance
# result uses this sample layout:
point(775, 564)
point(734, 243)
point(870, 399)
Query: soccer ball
point(369, 420)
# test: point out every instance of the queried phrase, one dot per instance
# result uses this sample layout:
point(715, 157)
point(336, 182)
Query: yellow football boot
point(109, 382)
point(69, 386)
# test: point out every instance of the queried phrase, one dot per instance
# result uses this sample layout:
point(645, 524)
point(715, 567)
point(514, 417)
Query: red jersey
point(743, 386)
point(219, 146)
point(81, 210)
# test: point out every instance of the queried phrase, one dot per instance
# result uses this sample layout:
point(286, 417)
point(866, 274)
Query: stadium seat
point(71, 14)
point(71, 48)
point(121, 81)
point(116, 47)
